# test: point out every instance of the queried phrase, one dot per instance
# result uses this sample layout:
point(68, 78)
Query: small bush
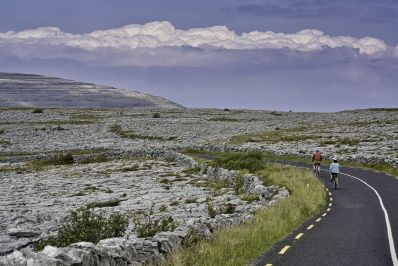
point(174, 203)
point(95, 159)
point(164, 180)
point(156, 115)
point(130, 168)
point(103, 204)
point(84, 224)
point(37, 111)
point(211, 211)
point(2, 131)
point(163, 208)
point(61, 159)
point(238, 186)
point(228, 208)
point(238, 161)
point(250, 198)
point(193, 170)
point(190, 200)
point(192, 237)
point(115, 128)
point(147, 226)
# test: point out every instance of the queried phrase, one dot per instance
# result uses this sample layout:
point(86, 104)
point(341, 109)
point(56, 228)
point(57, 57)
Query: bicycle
point(334, 178)
point(317, 169)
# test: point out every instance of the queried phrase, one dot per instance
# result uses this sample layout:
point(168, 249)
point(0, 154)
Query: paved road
point(354, 229)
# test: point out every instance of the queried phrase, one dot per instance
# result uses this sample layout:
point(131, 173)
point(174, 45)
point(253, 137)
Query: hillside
point(18, 90)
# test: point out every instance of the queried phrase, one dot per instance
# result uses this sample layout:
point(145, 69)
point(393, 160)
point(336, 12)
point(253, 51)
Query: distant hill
point(20, 90)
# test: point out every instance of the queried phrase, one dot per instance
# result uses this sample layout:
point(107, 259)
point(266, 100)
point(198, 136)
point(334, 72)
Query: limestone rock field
point(138, 161)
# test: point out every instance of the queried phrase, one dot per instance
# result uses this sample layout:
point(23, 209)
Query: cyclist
point(334, 171)
point(317, 158)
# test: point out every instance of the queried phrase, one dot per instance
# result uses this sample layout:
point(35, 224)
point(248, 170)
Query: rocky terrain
point(35, 90)
point(134, 157)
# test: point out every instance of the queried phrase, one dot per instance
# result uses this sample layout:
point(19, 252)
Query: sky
point(299, 55)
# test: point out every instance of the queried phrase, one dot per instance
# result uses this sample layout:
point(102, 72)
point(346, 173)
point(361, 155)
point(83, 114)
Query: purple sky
point(348, 60)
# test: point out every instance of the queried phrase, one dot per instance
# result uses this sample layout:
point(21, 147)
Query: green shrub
point(95, 159)
point(192, 237)
point(84, 224)
point(147, 226)
point(174, 203)
point(156, 115)
point(238, 161)
point(115, 128)
point(193, 170)
point(211, 211)
point(228, 208)
point(2, 131)
point(130, 168)
point(37, 111)
point(191, 200)
point(60, 159)
point(250, 198)
point(103, 204)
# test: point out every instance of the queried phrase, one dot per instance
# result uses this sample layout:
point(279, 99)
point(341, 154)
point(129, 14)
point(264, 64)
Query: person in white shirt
point(334, 171)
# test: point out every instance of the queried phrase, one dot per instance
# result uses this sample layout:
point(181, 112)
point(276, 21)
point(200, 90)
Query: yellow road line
point(318, 220)
point(283, 250)
point(327, 189)
point(328, 210)
point(324, 214)
point(330, 204)
point(269, 264)
point(310, 227)
point(331, 199)
point(330, 194)
point(299, 236)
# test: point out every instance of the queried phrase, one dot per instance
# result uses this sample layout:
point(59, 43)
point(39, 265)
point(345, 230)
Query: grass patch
point(228, 247)
point(104, 204)
point(252, 161)
point(59, 159)
point(95, 159)
point(132, 168)
point(4, 143)
point(224, 119)
point(249, 198)
point(275, 136)
point(117, 129)
point(84, 224)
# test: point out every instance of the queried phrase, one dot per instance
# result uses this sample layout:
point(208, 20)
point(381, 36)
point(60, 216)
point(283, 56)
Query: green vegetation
point(4, 143)
point(101, 158)
point(252, 161)
point(147, 226)
point(228, 247)
point(84, 224)
point(191, 200)
point(193, 170)
point(275, 136)
point(59, 159)
point(250, 198)
point(226, 119)
point(117, 129)
point(211, 211)
point(37, 111)
point(156, 115)
point(2, 131)
point(130, 168)
point(103, 204)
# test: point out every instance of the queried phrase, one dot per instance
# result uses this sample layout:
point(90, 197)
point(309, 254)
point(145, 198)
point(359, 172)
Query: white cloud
point(132, 43)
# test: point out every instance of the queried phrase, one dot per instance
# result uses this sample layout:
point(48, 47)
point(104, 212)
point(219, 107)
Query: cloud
point(160, 43)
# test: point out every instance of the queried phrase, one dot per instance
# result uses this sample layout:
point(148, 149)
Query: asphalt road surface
point(352, 230)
